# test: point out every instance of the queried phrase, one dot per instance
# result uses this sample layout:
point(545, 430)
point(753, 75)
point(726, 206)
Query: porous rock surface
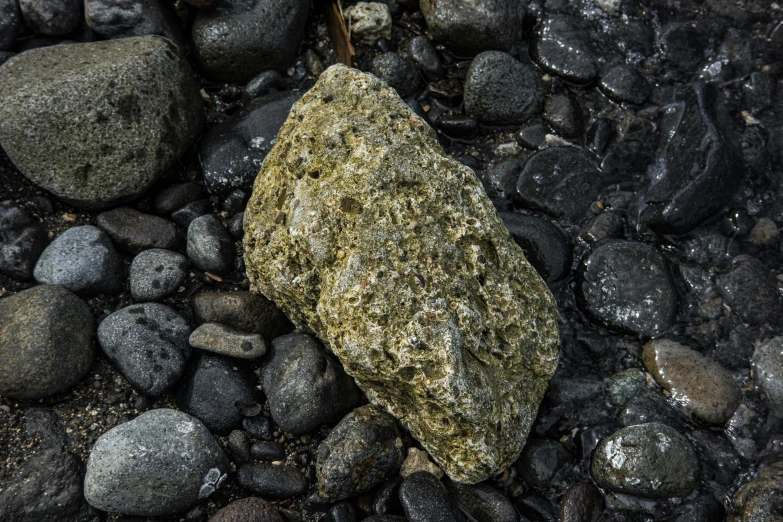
point(364, 232)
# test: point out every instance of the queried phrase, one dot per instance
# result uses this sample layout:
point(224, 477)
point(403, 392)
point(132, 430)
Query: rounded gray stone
point(210, 246)
point(52, 17)
point(126, 18)
point(83, 260)
point(768, 373)
point(161, 463)
point(148, 343)
point(650, 460)
point(225, 340)
point(156, 273)
point(98, 123)
point(45, 342)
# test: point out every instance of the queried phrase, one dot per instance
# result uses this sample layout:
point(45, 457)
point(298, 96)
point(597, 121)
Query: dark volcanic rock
point(210, 246)
point(564, 116)
point(177, 196)
point(483, 502)
point(125, 18)
point(185, 215)
point(627, 286)
point(241, 310)
point(211, 389)
point(148, 343)
point(419, 50)
point(561, 47)
point(541, 460)
point(472, 27)
point(425, 499)
point(231, 154)
point(362, 451)
point(133, 231)
point(400, 73)
point(683, 45)
point(546, 246)
point(761, 499)
point(272, 481)
point(500, 89)
point(11, 23)
point(701, 168)
point(768, 373)
point(561, 181)
point(581, 503)
point(249, 509)
point(45, 342)
point(83, 260)
point(306, 387)
point(52, 17)
point(237, 40)
point(751, 291)
point(21, 242)
point(623, 83)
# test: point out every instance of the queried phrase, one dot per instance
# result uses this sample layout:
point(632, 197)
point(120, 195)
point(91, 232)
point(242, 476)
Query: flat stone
point(627, 286)
point(242, 311)
point(210, 246)
point(249, 509)
point(472, 27)
point(561, 47)
point(156, 273)
point(650, 460)
point(83, 260)
point(768, 373)
point(148, 343)
point(115, 135)
point(362, 451)
point(546, 246)
point(21, 242)
point(500, 89)
point(272, 481)
point(700, 386)
point(403, 240)
point(45, 342)
point(133, 231)
point(225, 340)
point(163, 462)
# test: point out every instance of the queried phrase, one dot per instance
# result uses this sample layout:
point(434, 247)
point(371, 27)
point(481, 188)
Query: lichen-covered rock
point(364, 232)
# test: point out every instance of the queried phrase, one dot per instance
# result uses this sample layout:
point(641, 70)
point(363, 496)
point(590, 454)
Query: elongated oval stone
point(364, 232)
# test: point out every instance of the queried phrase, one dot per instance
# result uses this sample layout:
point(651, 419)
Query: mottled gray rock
point(242, 311)
point(250, 509)
point(699, 386)
point(751, 291)
point(768, 373)
point(237, 40)
point(148, 343)
point(581, 503)
point(10, 23)
point(133, 231)
point(160, 463)
point(45, 342)
point(625, 385)
point(391, 252)
point(21, 242)
point(369, 21)
point(484, 503)
point(83, 260)
point(472, 27)
point(500, 89)
point(156, 273)
point(541, 461)
point(126, 18)
point(272, 481)
point(52, 17)
point(305, 386)
point(425, 499)
point(225, 340)
point(650, 460)
point(761, 499)
point(115, 135)
point(400, 73)
point(210, 246)
point(363, 450)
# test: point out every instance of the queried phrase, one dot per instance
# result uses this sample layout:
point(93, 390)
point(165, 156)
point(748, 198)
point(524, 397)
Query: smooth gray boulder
point(160, 463)
point(96, 124)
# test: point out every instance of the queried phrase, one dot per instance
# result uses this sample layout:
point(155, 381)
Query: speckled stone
point(391, 252)
point(115, 135)
point(225, 340)
point(160, 463)
point(761, 499)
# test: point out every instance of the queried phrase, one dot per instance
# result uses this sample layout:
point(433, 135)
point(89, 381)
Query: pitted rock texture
point(364, 232)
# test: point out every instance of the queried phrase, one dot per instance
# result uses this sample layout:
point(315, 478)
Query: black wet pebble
point(561, 47)
point(564, 116)
point(623, 83)
point(269, 480)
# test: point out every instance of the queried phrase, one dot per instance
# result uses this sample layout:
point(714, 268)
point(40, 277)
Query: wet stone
point(765, 232)
point(561, 181)
point(483, 502)
point(703, 507)
point(156, 273)
point(305, 386)
point(235, 201)
point(421, 52)
point(625, 385)
point(762, 498)
point(532, 135)
point(148, 343)
point(267, 451)
point(720, 462)
point(272, 481)
point(83, 260)
point(472, 27)
point(342, 512)
point(212, 388)
point(561, 47)
point(606, 225)
point(400, 73)
point(232, 153)
point(425, 499)
point(627, 286)
point(623, 83)
point(581, 503)
point(21, 241)
point(499, 89)
point(46, 337)
point(541, 461)
point(225, 340)
point(751, 292)
point(250, 509)
point(701, 387)
point(133, 231)
point(682, 45)
point(736, 350)
point(163, 462)
point(768, 373)
point(650, 407)
point(267, 82)
point(564, 116)
point(242, 311)
point(500, 178)
point(457, 126)
point(362, 451)
point(210, 246)
point(650, 460)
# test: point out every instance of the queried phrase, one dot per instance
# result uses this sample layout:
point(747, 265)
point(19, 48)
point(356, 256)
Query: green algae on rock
point(364, 232)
